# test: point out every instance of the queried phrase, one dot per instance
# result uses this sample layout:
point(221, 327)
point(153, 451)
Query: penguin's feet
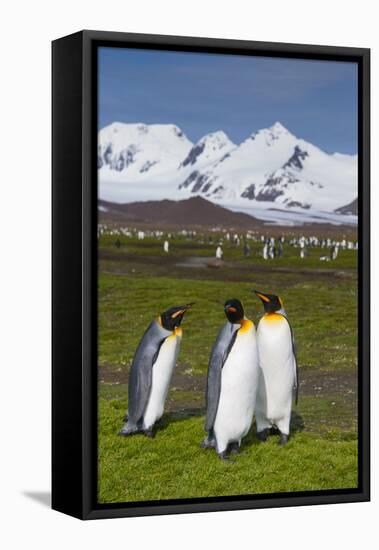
point(263, 435)
point(234, 448)
point(150, 432)
point(125, 431)
point(283, 439)
point(207, 443)
point(225, 456)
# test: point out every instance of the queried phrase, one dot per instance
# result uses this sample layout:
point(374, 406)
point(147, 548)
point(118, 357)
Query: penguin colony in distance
point(249, 371)
point(151, 371)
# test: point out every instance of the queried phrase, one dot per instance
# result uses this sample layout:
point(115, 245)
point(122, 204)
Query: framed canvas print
point(210, 275)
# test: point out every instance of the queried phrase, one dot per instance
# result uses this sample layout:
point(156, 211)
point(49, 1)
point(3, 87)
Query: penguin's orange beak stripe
point(263, 297)
point(175, 315)
point(180, 312)
point(232, 309)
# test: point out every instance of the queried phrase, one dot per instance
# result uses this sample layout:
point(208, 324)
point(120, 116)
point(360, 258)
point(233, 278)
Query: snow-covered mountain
point(208, 150)
point(140, 150)
point(272, 168)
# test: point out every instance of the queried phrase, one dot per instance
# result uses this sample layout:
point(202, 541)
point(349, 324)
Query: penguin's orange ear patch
point(263, 297)
point(281, 301)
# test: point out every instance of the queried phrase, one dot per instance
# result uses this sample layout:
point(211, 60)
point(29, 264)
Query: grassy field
point(137, 281)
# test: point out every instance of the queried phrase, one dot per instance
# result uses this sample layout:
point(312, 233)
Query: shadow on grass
point(172, 417)
point(297, 423)
point(169, 418)
point(178, 416)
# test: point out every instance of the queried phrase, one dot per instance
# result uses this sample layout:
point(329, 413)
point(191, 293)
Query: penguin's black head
point(234, 310)
point(172, 317)
point(271, 302)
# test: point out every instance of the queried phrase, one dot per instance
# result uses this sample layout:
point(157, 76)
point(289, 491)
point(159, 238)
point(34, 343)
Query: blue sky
point(202, 93)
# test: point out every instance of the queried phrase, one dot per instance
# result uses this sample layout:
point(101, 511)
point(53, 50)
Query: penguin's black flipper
point(219, 355)
point(229, 348)
point(297, 383)
point(296, 365)
point(296, 368)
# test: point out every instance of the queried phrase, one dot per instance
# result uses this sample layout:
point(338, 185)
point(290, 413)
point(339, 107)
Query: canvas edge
point(86, 506)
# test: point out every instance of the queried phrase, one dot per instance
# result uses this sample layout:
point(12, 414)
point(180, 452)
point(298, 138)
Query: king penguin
point(151, 371)
point(232, 382)
point(277, 369)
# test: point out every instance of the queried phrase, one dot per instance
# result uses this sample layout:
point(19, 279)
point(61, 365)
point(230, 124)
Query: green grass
point(173, 466)
point(139, 281)
point(322, 313)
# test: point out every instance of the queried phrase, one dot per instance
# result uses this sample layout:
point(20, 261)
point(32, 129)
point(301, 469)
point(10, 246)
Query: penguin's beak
point(231, 309)
point(180, 310)
point(262, 296)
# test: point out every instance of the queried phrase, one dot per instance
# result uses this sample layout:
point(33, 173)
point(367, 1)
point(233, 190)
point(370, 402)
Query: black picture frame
point(74, 273)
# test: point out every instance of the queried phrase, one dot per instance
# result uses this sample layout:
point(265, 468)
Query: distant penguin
point(232, 382)
point(151, 371)
point(334, 252)
point(277, 369)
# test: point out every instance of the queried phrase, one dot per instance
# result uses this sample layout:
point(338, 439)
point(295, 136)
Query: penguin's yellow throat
point(178, 331)
point(246, 325)
point(273, 317)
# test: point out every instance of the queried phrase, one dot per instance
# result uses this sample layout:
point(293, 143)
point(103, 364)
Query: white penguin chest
point(161, 376)
point(277, 371)
point(274, 339)
point(239, 381)
point(242, 359)
point(276, 359)
point(165, 363)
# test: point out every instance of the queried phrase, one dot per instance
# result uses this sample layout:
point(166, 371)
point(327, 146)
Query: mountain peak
point(142, 128)
point(278, 128)
point(216, 140)
point(215, 136)
point(208, 149)
point(274, 132)
point(140, 148)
